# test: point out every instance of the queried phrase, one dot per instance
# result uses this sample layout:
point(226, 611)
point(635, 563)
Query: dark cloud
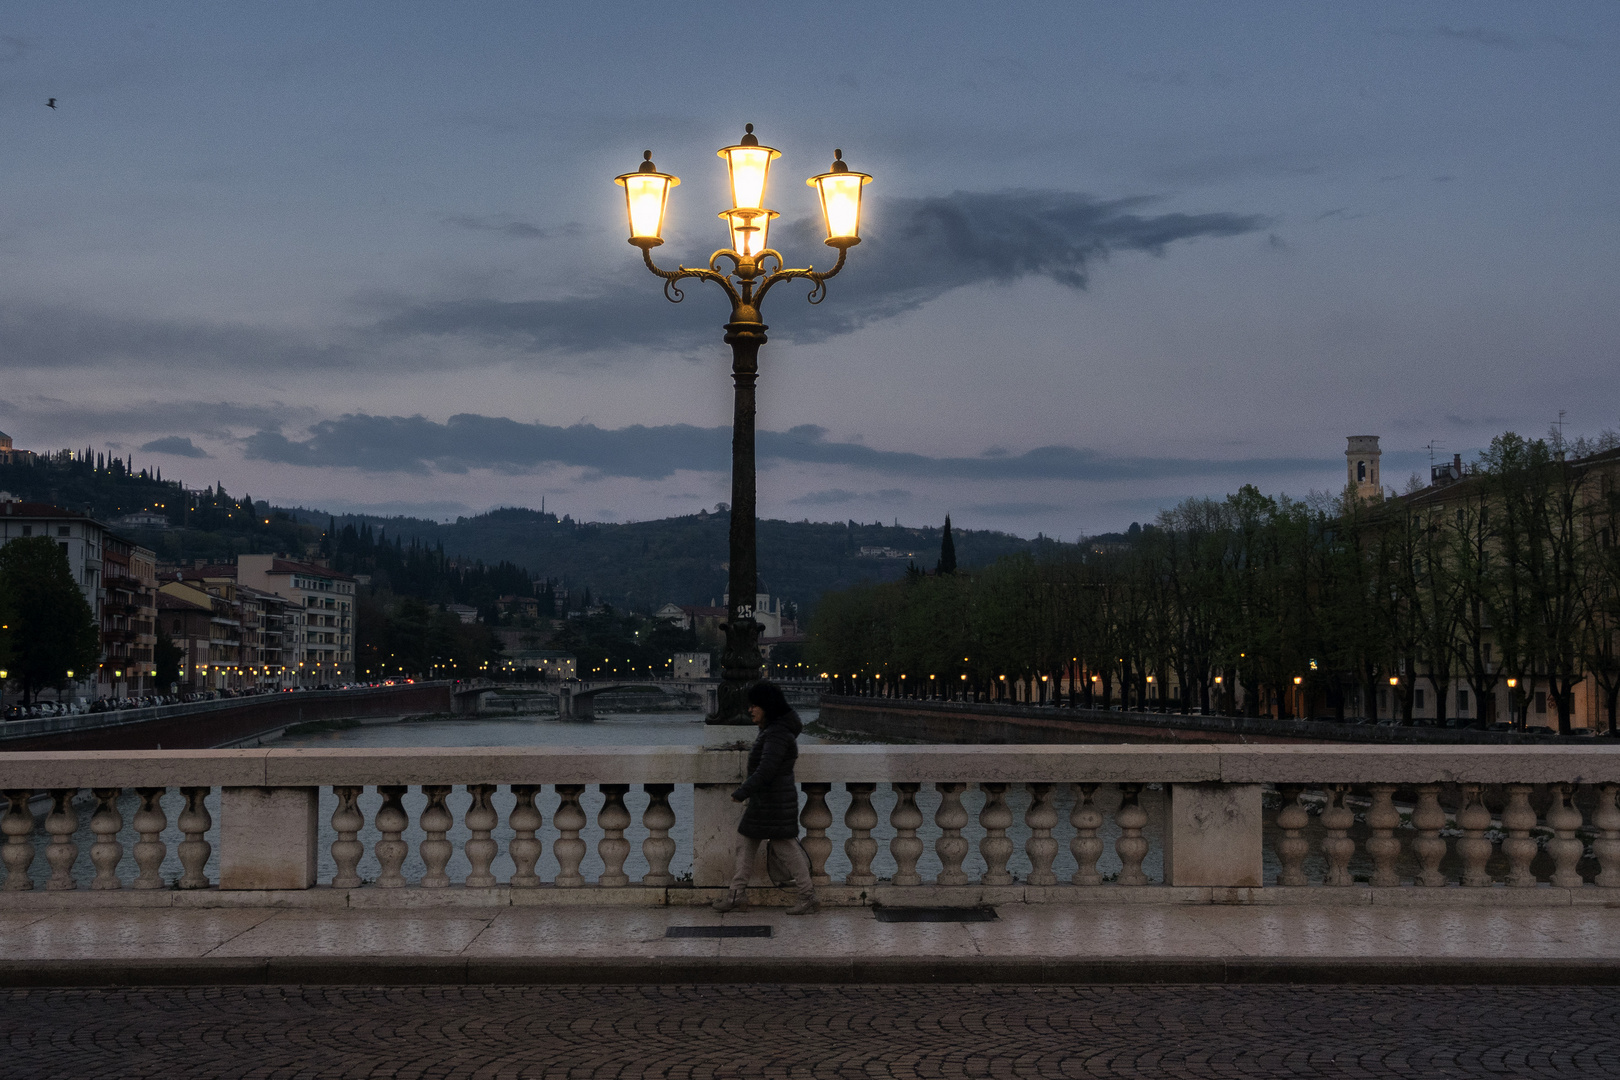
point(177, 445)
point(837, 496)
point(916, 250)
point(214, 418)
point(830, 497)
point(1015, 509)
point(522, 230)
point(415, 444)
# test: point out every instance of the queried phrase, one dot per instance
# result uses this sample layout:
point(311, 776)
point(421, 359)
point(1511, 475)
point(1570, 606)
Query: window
point(1541, 701)
point(1361, 471)
point(63, 530)
point(28, 530)
point(1418, 700)
point(62, 546)
point(1462, 702)
point(177, 624)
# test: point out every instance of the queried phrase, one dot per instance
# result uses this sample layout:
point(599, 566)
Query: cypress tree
point(947, 551)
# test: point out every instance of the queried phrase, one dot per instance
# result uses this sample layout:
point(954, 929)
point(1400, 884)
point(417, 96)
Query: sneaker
point(729, 903)
point(805, 907)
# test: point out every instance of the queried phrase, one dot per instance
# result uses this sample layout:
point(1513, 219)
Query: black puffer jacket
point(772, 793)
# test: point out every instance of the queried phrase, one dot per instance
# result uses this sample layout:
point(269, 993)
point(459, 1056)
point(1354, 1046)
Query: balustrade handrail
point(1062, 763)
point(1211, 829)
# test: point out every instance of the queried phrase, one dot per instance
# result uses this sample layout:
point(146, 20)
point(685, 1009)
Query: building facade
point(318, 637)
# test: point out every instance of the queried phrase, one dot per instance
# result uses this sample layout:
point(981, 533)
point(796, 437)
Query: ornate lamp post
point(755, 268)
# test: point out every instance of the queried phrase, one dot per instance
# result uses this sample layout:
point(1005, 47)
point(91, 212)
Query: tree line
point(1281, 607)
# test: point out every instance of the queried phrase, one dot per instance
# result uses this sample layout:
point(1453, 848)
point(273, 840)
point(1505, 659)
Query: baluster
point(60, 824)
point(106, 852)
point(1429, 846)
point(658, 848)
point(951, 847)
point(1292, 846)
point(1131, 847)
point(569, 849)
point(1041, 818)
point(995, 817)
point(18, 826)
point(906, 819)
point(150, 821)
point(1383, 819)
point(614, 849)
point(435, 849)
point(391, 823)
point(194, 821)
point(481, 820)
point(1606, 818)
point(860, 819)
point(347, 821)
point(1337, 847)
point(1087, 846)
point(1473, 848)
point(524, 821)
point(1564, 817)
point(816, 817)
point(1518, 818)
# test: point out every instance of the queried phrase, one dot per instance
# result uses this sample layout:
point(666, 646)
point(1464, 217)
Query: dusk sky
point(369, 256)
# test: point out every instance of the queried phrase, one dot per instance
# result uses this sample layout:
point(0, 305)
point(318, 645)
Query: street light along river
point(748, 164)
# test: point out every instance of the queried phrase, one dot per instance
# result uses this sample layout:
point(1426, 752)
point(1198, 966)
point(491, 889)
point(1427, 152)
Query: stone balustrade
point(960, 821)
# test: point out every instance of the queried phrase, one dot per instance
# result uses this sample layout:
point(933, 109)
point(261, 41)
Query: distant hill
point(645, 564)
point(640, 565)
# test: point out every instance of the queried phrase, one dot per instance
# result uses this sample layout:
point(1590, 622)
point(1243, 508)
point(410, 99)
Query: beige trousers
point(788, 851)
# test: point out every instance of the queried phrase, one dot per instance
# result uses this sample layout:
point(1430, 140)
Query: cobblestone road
point(697, 1032)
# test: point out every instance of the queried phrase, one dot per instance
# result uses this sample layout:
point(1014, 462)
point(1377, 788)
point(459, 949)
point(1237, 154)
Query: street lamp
point(748, 222)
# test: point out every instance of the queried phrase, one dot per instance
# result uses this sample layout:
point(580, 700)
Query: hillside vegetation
point(635, 566)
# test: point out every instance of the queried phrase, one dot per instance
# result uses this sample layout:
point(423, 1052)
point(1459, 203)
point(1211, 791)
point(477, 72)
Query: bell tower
point(1361, 463)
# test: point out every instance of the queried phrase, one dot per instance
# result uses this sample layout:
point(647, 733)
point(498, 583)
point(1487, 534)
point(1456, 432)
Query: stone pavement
point(797, 1031)
point(90, 939)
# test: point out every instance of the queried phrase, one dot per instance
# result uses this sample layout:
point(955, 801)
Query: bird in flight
point(51, 104)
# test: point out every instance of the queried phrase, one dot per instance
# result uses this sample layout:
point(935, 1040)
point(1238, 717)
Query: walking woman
point(773, 801)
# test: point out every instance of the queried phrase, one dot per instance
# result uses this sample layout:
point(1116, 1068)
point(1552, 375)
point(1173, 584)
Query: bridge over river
point(576, 699)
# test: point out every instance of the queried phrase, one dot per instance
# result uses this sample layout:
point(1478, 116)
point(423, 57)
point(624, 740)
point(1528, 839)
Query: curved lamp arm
point(673, 293)
point(817, 294)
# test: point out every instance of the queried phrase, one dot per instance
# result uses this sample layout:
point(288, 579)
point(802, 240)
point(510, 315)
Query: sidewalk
point(59, 944)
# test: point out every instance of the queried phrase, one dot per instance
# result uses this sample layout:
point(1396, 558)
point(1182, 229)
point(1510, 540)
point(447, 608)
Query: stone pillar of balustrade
point(1212, 835)
point(268, 837)
point(1606, 846)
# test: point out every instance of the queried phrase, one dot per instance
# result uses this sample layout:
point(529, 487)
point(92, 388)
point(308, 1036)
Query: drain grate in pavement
point(934, 914)
point(717, 931)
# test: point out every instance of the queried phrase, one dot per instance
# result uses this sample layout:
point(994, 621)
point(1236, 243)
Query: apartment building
point(318, 636)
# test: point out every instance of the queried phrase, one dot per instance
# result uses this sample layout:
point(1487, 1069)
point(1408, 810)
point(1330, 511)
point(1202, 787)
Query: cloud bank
point(177, 445)
point(916, 251)
point(415, 444)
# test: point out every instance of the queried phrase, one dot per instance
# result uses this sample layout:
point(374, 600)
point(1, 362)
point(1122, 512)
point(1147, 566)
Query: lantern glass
point(749, 166)
point(750, 230)
point(646, 196)
point(840, 191)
